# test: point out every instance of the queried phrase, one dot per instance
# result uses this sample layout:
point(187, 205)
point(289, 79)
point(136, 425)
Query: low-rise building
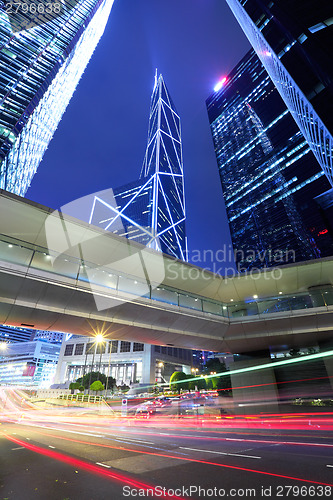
point(127, 362)
point(28, 364)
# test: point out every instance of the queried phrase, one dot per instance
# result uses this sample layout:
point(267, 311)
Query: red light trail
point(89, 467)
point(93, 468)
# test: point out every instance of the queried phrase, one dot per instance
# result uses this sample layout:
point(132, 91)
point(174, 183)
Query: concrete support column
point(254, 391)
point(148, 367)
point(328, 361)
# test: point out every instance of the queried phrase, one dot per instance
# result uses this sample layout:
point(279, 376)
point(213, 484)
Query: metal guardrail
point(83, 398)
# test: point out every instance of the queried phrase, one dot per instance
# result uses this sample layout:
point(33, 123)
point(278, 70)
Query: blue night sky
point(100, 142)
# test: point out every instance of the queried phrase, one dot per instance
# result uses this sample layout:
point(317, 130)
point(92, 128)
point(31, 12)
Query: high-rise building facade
point(40, 68)
point(294, 40)
point(12, 334)
point(152, 209)
point(50, 337)
point(30, 364)
point(270, 178)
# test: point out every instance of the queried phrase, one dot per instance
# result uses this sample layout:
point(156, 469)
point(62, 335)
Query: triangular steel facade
point(164, 161)
point(152, 209)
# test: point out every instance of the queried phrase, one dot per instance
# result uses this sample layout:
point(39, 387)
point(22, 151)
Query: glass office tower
point(40, 68)
point(270, 178)
point(294, 40)
point(152, 209)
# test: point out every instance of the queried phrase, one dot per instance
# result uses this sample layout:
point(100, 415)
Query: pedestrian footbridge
point(58, 273)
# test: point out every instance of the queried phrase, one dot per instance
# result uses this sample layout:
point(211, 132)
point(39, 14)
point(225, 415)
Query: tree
point(180, 378)
point(214, 365)
point(199, 383)
point(294, 352)
point(97, 386)
point(93, 376)
point(73, 386)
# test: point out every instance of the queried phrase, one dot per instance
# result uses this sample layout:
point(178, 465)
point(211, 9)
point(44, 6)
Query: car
point(145, 411)
point(162, 401)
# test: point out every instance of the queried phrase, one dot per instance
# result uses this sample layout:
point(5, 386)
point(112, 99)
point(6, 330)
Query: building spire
point(155, 83)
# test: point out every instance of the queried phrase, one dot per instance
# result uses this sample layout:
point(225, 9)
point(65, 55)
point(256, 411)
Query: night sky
point(101, 140)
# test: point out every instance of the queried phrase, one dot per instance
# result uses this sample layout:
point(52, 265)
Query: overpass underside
point(58, 273)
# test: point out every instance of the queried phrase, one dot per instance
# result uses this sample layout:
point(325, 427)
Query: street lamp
point(85, 361)
point(98, 339)
point(160, 373)
point(109, 367)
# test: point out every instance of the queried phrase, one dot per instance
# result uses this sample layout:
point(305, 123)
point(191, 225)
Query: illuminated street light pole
point(161, 366)
point(195, 373)
point(107, 378)
point(98, 339)
point(85, 361)
point(92, 365)
point(101, 343)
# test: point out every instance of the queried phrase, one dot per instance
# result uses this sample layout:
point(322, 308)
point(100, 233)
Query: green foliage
point(124, 388)
point(318, 402)
point(91, 377)
point(97, 386)
point(81, 388)
point(180, 378)
point(294, 352)
point(199, 383)
point(218, 383)
point(154, 389)
point(73, 386)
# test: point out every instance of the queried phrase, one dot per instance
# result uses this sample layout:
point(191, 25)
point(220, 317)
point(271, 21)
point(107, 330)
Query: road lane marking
point(103, 465)
point(53, 447)
point(220, 453)
point(19, 448)
point(134, 441)
point(298, 443)
point(66, 430)
point(137, 443)
point(113, 436)
point(88, 466)
point(329, 465)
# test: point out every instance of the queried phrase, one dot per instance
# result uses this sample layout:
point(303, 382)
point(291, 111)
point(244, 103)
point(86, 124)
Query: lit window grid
point(154, 212)
point(243, 121)
point(220, 127)
point(315, 132)
point(11, 373)
point(33, 135)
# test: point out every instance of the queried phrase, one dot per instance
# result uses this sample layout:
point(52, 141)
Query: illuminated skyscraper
point(40, 68)
point(152, 209)
point(294, 40)
point(270, 178)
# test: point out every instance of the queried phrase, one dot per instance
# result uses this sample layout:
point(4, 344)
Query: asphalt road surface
point(58, 454)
